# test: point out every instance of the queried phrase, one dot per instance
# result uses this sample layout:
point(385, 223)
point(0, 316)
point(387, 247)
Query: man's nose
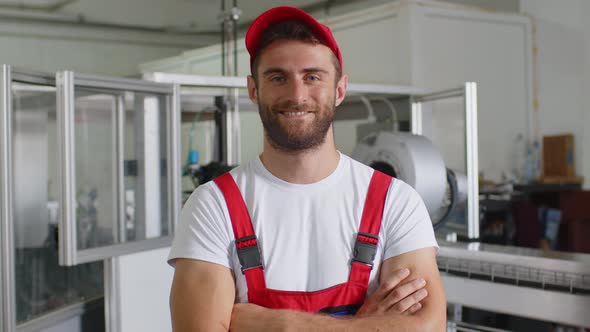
point(297, 92)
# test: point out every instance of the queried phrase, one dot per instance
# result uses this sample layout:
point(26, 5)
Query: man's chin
point(293, 148)
point(296, 144)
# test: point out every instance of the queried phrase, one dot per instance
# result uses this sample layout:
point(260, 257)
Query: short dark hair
point(290, 30)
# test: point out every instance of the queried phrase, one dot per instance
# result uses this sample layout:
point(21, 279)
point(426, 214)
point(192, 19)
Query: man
point(303, 234)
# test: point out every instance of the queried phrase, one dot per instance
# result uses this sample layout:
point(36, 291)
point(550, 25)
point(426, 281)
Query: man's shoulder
point(401, 187)
point(205, 193)
point(402, 196)
point(356, 168)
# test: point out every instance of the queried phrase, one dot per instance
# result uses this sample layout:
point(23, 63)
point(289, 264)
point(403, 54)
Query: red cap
point(283, 13)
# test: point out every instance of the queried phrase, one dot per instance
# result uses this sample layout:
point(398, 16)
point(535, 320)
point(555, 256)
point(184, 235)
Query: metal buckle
point(364, 252)
point(249, 256)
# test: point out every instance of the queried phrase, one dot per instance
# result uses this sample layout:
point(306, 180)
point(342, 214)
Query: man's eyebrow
point(273, 71)
point(276, 70)
point(315, 70)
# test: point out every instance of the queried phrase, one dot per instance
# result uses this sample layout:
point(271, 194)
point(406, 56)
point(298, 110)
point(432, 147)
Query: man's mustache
point(295, 107)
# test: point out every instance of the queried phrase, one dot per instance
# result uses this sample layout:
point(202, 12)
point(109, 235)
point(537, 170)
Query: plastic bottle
point(532, 162)
point(536, 160)
point(193, 157)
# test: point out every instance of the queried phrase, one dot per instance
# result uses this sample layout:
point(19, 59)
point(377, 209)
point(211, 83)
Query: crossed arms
point(203, 294)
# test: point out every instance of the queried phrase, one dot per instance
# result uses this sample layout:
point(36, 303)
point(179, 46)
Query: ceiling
point(179, 15)
point(195, 18)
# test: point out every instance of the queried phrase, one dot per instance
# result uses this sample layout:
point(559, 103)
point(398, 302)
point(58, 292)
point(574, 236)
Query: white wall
point(145, 280)
point(492, 49)
point(563, 41)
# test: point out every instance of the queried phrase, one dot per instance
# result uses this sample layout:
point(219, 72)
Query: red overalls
point(342, 299)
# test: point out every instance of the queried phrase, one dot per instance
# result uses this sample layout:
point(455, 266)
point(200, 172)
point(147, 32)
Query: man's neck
point(302, 167)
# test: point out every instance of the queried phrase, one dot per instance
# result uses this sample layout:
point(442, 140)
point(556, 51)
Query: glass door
point(119, 178)
point(35, 288)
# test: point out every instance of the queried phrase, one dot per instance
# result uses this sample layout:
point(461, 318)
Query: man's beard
point(293, 137)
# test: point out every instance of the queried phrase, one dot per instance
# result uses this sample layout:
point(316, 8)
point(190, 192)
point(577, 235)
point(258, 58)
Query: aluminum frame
point(67, 192)
point(175, 199)
point(66, 81)
point(120, 167)
point(118, 84)
point(112, 304)
point(472, 153)
point(7, 287)
point(469, 92)
point(237, 132)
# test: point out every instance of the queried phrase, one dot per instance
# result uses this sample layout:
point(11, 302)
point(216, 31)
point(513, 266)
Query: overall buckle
point(365, 248)
point(248, 253)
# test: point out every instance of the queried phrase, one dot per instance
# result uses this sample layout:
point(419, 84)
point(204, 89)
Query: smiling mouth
point(299, 113)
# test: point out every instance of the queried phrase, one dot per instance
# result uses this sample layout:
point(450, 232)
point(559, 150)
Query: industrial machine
point(499, 279)
point(415, 160)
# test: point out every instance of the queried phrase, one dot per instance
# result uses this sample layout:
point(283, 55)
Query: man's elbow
point(190, 323)
point(436, 324)
point(203, 327)
point(184, 319)
point(434, 312)
point(434, 321)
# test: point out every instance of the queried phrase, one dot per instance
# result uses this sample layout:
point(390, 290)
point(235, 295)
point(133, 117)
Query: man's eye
point(277, 79)
point(313, 78)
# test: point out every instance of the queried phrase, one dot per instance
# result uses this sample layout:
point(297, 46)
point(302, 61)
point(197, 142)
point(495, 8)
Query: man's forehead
point(291, 54)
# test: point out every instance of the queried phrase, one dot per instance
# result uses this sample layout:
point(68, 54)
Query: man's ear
point(252, 93)
point(341, 87)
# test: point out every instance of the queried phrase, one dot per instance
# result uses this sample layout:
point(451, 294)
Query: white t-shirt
point(306, 232)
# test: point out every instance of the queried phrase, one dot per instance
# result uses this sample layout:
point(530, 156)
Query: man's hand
point(394, 296)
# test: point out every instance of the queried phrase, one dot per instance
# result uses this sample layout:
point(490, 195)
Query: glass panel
point(96, 169)
point(41, 284)
point(117, 134)
point(146, 148)
point(444, 125)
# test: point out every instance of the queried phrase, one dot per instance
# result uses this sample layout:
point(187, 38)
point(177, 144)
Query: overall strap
point(246, 242)
point(368, 236)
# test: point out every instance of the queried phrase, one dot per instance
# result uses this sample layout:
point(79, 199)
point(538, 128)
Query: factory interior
point(114, 112)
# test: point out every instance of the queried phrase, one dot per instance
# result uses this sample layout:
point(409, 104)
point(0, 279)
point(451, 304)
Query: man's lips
point(294, 114)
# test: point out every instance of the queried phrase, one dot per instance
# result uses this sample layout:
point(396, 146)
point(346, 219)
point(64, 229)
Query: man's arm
point(202, 296)
point(431, 317)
